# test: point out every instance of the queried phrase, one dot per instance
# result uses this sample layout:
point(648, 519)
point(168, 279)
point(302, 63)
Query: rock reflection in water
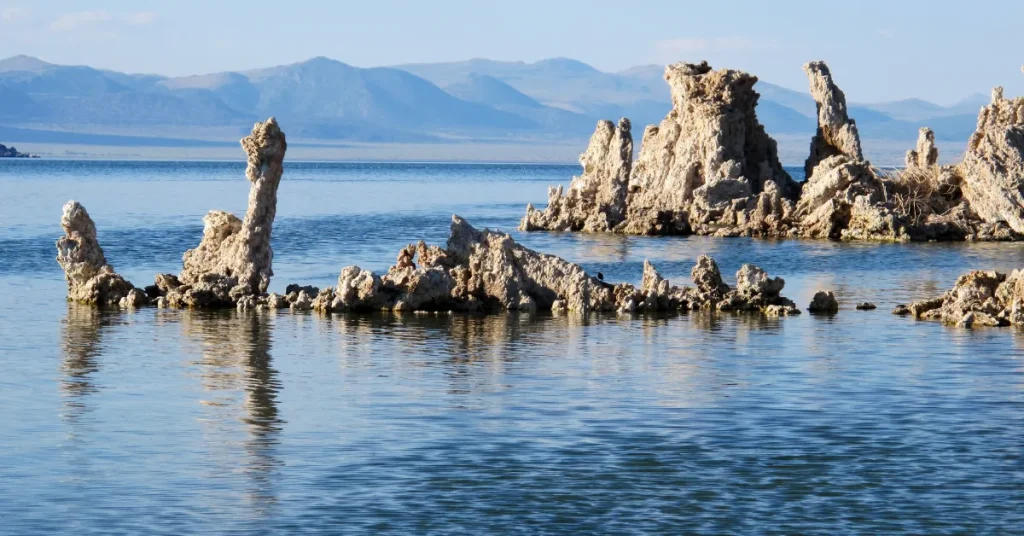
point(80, 347)
point(235, 358)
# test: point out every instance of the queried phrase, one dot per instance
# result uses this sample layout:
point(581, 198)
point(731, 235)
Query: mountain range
point(322, 100)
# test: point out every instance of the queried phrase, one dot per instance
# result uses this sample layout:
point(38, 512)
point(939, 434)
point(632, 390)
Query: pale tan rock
point(596, 200)
point(711, 135)
point(488, 271)
point(979, 298)
point(993, 168)
point(234, 257)
point(837, 133)
point(926, 155)
point(90, 279)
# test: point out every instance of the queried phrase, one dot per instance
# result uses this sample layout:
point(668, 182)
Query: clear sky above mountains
point(880, 50)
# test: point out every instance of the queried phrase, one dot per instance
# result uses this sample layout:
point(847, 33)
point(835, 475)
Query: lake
point(173, 422)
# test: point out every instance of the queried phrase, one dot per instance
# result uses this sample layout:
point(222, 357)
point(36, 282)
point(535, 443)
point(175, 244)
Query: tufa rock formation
point(596, 200)
point(90, 279)
point(993, 170)
point(233, 259)
point(487, 271)
point(476, 271)
point(978, 299)
point(926, 155)
point(709, 168)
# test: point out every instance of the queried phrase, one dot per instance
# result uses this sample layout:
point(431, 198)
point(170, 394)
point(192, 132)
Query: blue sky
point(878, 50)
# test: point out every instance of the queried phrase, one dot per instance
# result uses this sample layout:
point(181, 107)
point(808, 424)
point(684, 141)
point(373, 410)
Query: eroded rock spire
point(926, 155)
point(90, 279)
point(993, 168)
point(837, 133)
point(234, 257)
point(709, 159)
point(596, 200)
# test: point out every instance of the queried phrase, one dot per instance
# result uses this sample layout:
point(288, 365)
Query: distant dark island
point(11, 152)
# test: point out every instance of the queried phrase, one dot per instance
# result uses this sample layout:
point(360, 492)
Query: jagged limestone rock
point(596, 200)
point(837, 133)
point(234, 257)
point(843, 198)
point(90, 279)
point(926, 155)
point(709, 160)
point(488, 271)
point(993, 168)
point(979, 298)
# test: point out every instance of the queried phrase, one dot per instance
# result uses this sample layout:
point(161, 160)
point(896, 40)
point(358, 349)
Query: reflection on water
point(80, 343)
point(235, 358)
point(182, 422)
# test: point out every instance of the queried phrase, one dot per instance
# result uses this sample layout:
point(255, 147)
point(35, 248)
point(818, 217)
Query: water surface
point(176, 422)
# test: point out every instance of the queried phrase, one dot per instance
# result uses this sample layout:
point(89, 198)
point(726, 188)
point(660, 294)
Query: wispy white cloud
point(141, 18)
point(101, 20)
point(705, 44)
point(14, 14)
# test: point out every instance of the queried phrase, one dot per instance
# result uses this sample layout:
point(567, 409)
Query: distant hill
point(557, 99)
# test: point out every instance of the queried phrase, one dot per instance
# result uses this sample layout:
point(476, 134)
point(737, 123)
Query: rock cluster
point(979, 298)
point(709, 168)
point(488, 271)
point(476, 271)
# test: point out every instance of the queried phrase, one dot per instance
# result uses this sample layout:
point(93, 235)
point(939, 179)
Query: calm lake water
point(175, 422)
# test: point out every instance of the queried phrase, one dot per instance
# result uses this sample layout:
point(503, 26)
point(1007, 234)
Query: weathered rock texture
point(488, 271)
point(709, 168)
point(993, 169)
point(926, 155)
point(978, 299)
point(90, 279)
point(837, 133)
point(234, 258)
point(596, 200)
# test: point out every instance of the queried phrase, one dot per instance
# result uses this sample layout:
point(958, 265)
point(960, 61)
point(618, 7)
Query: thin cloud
point(701, 44)
point(93, 20)
point(14, 14)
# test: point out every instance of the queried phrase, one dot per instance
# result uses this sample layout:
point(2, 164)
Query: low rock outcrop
point(91, 280)
point(596, 200)
point(489, 271)
point(979, 298)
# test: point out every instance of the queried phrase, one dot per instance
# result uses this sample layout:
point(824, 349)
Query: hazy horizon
point(891, 51)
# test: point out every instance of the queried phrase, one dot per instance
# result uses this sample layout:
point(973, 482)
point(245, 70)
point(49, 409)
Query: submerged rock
point(90, 279)
point(233, 259)
point(824, 302)
point(978, 298)
point(596, 200)
point(866, 306)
